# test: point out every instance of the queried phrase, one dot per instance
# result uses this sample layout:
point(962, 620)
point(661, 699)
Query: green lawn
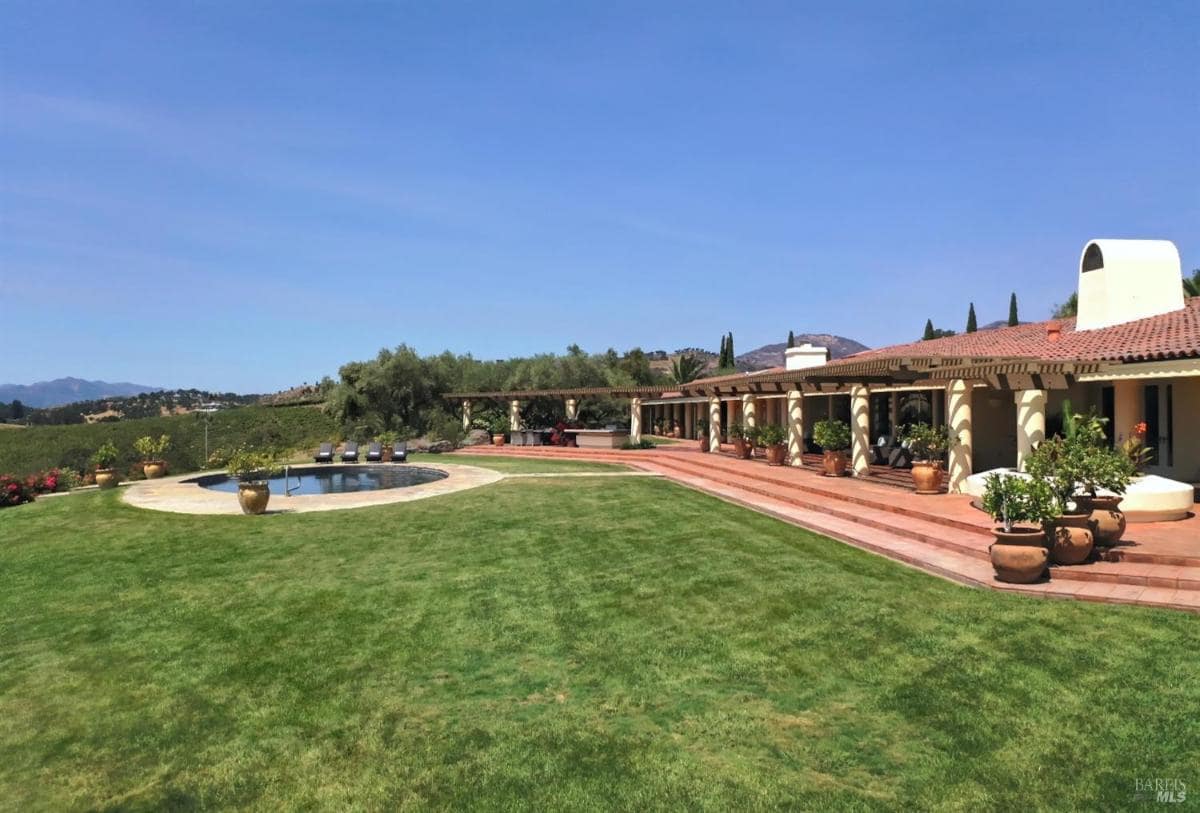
point(550, 644)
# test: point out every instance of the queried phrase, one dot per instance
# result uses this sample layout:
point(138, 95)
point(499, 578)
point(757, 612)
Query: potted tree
point(774, 439)
point(740, 440)
point(151, 451)
point(252, 470)
point(833, 436)
point(103, 459)
point(499, 427)
point(1019, 554)
point(928, 444)
point(1059, 463)
point(702, 433)
point(1101, 469)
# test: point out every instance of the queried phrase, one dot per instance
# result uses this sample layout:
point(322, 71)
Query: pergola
point(956, 377)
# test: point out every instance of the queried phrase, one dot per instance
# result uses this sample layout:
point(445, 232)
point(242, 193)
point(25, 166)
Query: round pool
point(332, 479)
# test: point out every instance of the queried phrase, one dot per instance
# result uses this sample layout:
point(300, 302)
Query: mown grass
point(555, 644)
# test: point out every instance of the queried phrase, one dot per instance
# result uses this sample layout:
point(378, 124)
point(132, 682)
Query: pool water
point(333, 479)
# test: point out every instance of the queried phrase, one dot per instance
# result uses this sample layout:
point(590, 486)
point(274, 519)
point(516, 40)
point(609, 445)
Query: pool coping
point(181, 495)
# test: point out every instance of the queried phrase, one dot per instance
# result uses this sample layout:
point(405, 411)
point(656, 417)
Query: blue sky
point(244, 195)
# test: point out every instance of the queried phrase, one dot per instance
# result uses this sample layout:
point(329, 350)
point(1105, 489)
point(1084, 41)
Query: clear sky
point(244, 195)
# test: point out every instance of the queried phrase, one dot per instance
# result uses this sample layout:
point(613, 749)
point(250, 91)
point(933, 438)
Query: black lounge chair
point(375, 453)
point(400, 452)
point(324, 454)
point(350, 453)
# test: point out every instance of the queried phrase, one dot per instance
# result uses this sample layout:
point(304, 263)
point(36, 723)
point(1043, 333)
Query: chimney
point(1124, 280)
point(805, 356)
point(1053, 331)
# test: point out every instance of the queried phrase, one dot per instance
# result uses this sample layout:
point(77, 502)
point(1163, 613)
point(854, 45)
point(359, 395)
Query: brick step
point(940, 536)
point(948, 564)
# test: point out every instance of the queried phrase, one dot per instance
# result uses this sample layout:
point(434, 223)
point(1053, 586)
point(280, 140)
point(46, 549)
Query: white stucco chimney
point(804, 356)
point(1124, 280)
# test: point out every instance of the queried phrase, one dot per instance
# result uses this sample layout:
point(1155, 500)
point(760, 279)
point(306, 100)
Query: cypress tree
point(971, 325)
point(729, 349)
point(1012, 310)
point(791, 339)
point(721, 354)
point(929, 334)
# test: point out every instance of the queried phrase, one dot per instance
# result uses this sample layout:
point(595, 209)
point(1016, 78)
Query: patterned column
point(958, 418)
point(795, 427)
point(514, 415)
point(635, 419)
point(714, 424)
point(466, 409)
point(1031, 423)
point(860, 430)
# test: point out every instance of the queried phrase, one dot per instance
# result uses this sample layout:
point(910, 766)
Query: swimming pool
point(332, 479)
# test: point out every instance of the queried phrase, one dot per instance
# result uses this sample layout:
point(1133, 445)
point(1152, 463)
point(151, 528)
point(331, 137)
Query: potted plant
point(928, 444)
point(152, 451)
point(499, 427)
point(252, 470)
point(103, 459)
point(387, 441)
point(1059, 464)
point(833, 436)
point(739, 438)
point(702, 433)
point(1019, 554)
point(774, 439)
point(1102, 469)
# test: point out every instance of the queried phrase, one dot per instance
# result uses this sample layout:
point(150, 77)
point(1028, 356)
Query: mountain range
point(68, 391)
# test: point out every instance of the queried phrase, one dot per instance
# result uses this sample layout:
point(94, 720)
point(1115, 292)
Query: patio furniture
point(324, 454)
point(375, 453)
point(350, 453)
point(400, 452)
point(516, 438)
point(900, 457)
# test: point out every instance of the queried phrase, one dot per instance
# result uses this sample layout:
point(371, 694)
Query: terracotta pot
point(1019, 556)
point(1070, 539)
point(834, 464)
point(253, 497)
point(776, 454)
point(704, 444)
point(742, 449)
point(107, 478)
point(497, 440)
point(154, 469)
point(677, 434)
point(927, 476)
point(1107, 520)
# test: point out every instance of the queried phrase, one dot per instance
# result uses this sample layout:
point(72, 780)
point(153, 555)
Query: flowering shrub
point(1135, 449)
point(15, 491)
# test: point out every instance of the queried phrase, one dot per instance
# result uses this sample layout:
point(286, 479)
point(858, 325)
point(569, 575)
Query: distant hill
point(771, 355)
point(998, 323)
point(68, 391)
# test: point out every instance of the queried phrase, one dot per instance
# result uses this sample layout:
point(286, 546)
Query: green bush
point(641, 444)
point(771, 435)
point(832, 435)
point(38, 448)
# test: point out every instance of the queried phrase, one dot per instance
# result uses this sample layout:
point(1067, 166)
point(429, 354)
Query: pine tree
point(971, 325)
point(1012, 310)
point(791, 339)
point(929, 334)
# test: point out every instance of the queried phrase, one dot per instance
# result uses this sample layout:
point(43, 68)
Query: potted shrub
point(499, 427)
point(1019, 554)
point(1059, 463)
point(103, 459)
point(702, 433)
point(151, 452)
point(833, 436)
point(1102, 468)
point(739, 438)
point(774, 440)
point(928, 444)
point(388, 440)
point(252, 470)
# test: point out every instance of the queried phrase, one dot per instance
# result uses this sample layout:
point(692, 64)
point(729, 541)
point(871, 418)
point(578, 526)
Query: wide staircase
point(951, 541)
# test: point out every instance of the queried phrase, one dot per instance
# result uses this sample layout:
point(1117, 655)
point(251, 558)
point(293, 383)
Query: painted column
point(714, 424)
point(958, 418)
point(749, 411)
point(689, 421)
point(572, 409)
point(1031, 423)
point(635, 419)
point(1127, 410)
point(795, 427)
point(466, 406)
point(860, 430)
point(514, 415)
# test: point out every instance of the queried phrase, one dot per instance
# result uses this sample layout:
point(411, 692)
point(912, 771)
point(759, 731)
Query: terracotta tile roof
point(735, 377)
point(1166, 336)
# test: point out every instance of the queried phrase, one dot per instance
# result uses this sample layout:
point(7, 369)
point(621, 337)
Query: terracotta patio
point(1156, 564)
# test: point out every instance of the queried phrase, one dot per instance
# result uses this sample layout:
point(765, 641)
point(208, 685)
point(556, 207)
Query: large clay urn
point(154, 469)
point(1019, 556)
point(107, 478)
point(1070, 539)
point(1107, 520)
point(927, 476)
point(742, 449)
point(776, 454)
point(497, 440)
point(704, 444)
point(834, 463)
point(253, 497)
